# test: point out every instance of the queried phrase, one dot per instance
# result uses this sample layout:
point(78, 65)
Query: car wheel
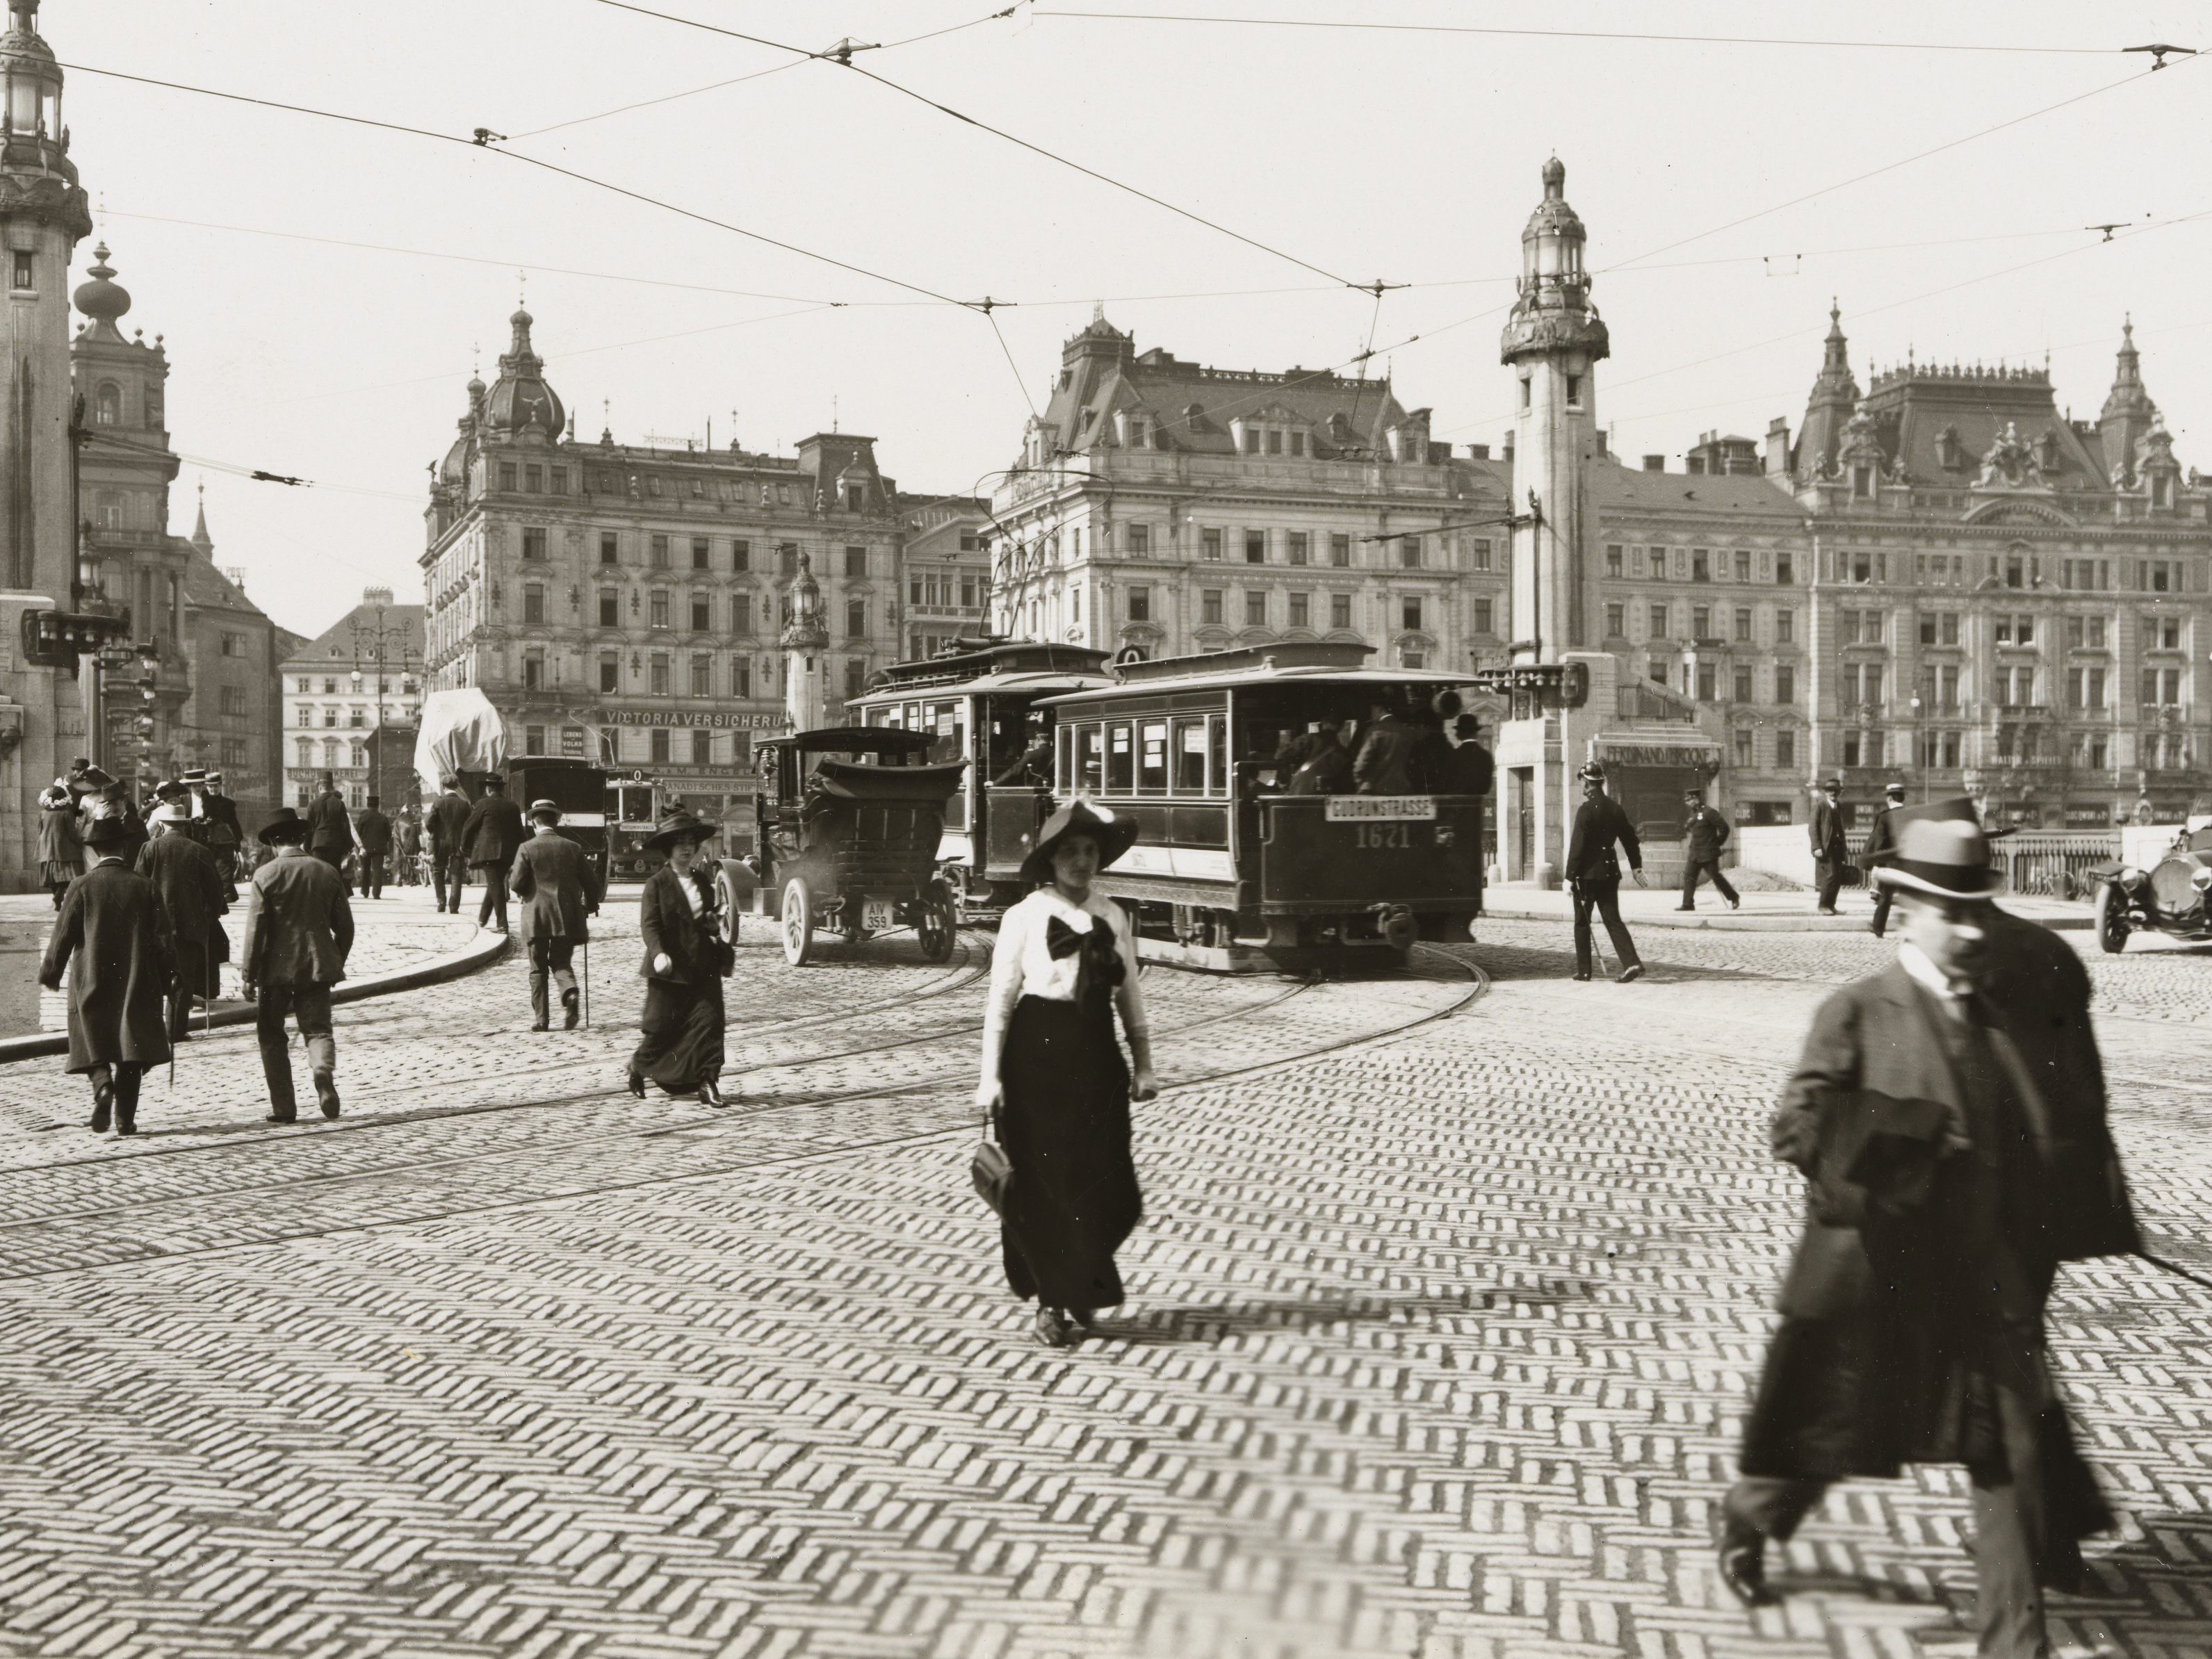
point(2112, 919)
point(934, 930)
point(797, 923)
point(726, 894)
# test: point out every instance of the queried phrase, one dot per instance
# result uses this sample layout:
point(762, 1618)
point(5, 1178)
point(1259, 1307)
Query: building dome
point(102, 299)
point(520, 401)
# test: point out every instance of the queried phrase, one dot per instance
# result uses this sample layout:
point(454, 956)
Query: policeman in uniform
point(1594, 873)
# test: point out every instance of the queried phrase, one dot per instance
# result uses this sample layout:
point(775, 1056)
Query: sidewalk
point(400, 941)
point(1762, 913)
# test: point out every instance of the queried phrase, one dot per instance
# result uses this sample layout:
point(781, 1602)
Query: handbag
point(990, 1170)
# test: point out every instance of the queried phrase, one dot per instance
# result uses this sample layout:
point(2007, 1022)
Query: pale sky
point(1410, 157)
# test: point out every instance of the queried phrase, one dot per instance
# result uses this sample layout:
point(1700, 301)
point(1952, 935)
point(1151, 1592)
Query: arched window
point(107, 404)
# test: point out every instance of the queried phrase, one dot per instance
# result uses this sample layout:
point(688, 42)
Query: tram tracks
point(1476, 982)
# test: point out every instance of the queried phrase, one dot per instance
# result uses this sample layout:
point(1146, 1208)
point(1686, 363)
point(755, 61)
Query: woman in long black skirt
point(685, 957)
point(1054, 1079)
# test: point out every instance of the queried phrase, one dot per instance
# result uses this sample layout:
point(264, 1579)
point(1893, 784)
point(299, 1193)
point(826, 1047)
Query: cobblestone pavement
point(1445, 1309)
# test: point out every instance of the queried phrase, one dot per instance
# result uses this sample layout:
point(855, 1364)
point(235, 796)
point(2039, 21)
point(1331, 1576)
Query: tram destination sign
point(1360, 809)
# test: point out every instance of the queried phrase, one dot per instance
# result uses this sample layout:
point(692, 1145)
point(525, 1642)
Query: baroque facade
point(1166, 507)
point(628, 601)
point(340, 719)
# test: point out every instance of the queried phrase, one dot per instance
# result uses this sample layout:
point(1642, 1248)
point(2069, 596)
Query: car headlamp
point(2131, 877)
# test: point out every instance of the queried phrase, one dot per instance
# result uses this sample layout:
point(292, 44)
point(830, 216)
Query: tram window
point(1216, 754)
point(1063, 770)
point(1152, 759)
point(1120, 758)
point(1090, 764)
point(1190, 758)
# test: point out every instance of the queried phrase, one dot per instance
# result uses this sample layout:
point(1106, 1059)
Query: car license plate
point(1356, 809)
point(878, 915)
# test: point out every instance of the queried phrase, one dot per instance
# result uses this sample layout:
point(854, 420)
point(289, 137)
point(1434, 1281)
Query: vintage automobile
point(2173, 897)
point(848, 819)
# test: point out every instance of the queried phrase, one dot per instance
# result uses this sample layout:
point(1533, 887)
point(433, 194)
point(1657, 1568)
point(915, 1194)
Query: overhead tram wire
point(843, 59)
point(483, 142)
point(1581, 34)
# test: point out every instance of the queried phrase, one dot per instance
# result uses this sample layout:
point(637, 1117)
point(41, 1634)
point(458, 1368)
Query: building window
point(659, 676)
point(1256, 608)
point(1783, 574)
point(741, 613)
point(1141, 604)
point(1209, 605)
point(702, 614)
point(1141, 540)
point(1659, 622)
point(702, 676)
point(1786, 626)
point(1251, 440)
point(1574, 392)
point(1209, 542)
point(1743, 567)
point(23, 275)
point(1409, 553)
point(507, 475)
point(741, 555)
point(1743, 624)
point(610, 548)
point(1297, 443)
point(1614, 565)
point(1743, 684)
point(559, 478)
point(610, 673)
point(1699, 571)
point(659, 744)
point(1255, 547)
point(657, 616)
point(659, 546)
point(856, 564)
point(1785, 749)
point(1297, 544)
point(533, 480)
point(1340, 552)
point(1409, 612)
point(1339, 610)
point(1743, 735)
point(1785, 683)
point(610, 608)
point(1301, 610)
point(1701, 623)
point(234, 700)
point(702, 746)
point(741, 676)
point(856, 675)
point(856, 619)
point(533, 602)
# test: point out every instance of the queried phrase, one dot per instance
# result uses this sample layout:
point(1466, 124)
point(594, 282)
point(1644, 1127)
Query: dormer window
point(1297, 443)
point(1274, 441)
point(2160, 485)
point(107, 404)
point(1861, 483)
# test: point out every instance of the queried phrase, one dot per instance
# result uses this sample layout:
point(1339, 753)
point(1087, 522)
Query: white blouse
point(1024, 965)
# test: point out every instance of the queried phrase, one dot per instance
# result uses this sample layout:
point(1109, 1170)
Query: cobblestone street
point(1447, 1303)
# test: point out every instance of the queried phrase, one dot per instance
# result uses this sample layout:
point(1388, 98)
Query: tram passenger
point(1318, 763)
point(1472, 767)
point(1055, 1080)
point(1383, 766)
point(1033, 766)
point(681, 1030)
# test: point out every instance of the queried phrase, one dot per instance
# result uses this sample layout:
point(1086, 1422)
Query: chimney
point(1655, 463)
point(1508, 445)
point(376, 596)
point(1778, 448)
point(236, 572)
point(1600, 445)
point(1478, 451)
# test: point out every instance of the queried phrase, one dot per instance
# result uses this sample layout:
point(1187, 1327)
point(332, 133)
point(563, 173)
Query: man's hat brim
point(105, 831)
point(1941, 880)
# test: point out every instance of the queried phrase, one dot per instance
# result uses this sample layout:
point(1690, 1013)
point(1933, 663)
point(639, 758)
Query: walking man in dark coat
point(226, 835)
point(330, 831)
point(110, 937)
point(373, 831)
point(194, 897)
point(492, 836)
point(449, 850)
point(557, 887)
point(1830, 850)
point(1880, 844)
point(1383, 766)
point(1705, 832)
point(1948, 1114)
point(1594, 873)
point(299, 932)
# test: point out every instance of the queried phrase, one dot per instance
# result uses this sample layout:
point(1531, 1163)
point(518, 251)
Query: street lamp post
point(369, 643)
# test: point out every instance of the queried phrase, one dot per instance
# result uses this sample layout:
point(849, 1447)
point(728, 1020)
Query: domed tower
point(521, 408)
point(2128, 414)
point(804, 641)
point(1553, 344)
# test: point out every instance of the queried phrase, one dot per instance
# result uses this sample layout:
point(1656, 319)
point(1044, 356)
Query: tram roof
point(988, 665)
point(1320, 662)
point(849, 739)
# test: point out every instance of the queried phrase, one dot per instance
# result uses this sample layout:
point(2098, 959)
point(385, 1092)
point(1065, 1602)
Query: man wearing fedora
point(330, 830)
point(299, 932)
point(373, 831)
point(194, 897)
point(558, 889)
point(1948, 1114)
point(226, 835)
point(1881, 843)
point(491, 837)
point(1593, 873)
point(449, 857)
point(110, 936)
point(1831, 848)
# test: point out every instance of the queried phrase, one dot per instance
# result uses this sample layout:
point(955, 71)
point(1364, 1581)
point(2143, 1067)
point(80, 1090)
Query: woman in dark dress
point(1054, 1078)
point(686, 958)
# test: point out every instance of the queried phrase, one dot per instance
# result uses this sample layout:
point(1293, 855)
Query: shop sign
point(720, 718)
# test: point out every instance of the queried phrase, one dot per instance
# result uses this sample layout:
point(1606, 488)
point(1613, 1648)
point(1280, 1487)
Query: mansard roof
point(1914, 407)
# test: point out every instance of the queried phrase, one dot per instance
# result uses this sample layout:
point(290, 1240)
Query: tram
point(1230, 866)
point(981, 703)
point(578, 789)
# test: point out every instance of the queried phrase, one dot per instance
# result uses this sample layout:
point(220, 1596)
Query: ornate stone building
point(628, 601)
point(947, 568)
point(1167, 507)
point(338, 719)
point(43, 217)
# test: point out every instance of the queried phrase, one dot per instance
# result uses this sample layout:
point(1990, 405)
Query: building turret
point(1828, 410)
point(803, 641)
point(1553, 344)
point(2129, 413)
point(521, 406)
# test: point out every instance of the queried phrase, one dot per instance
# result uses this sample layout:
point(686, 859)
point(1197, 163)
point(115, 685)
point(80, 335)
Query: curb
point(481, 952)
point(1735, 922)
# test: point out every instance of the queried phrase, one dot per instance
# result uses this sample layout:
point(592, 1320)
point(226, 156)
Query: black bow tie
point(1062, 940)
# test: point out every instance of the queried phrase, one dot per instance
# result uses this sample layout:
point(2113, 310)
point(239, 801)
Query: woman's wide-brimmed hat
point(680, 826)
point(1946, 857)
point(284, 827)
point(1114, 836)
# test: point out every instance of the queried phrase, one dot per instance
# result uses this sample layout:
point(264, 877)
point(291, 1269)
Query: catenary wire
point(1577, 34)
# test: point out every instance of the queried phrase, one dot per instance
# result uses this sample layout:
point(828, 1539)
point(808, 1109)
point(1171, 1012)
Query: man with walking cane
point(299, 932)
point(1594, 873)
point(1948, 1114)
point(558, 889)
point(194, 897)
point(110, 937)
